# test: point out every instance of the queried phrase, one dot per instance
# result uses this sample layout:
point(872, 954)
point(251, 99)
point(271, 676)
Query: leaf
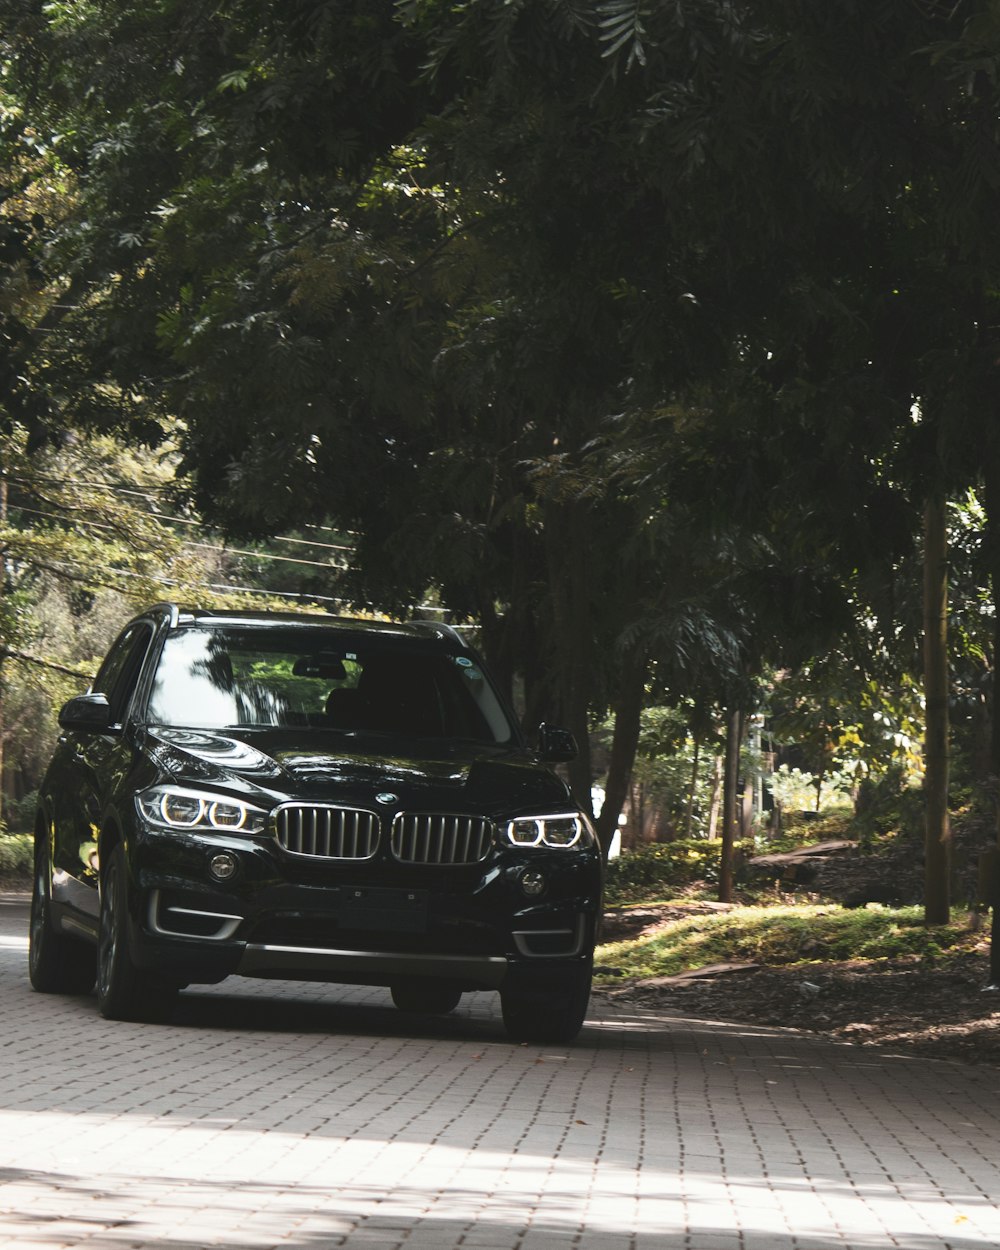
point(621, 25)
point(235, 80)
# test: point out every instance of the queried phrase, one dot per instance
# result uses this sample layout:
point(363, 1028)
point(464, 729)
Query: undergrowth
point(781, 935)
point(16, 855)
point(660, 869)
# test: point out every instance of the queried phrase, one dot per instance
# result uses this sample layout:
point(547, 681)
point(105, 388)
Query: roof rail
point(440, 627)
point(171, 609)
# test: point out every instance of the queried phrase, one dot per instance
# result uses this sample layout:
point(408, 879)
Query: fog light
point(533, 883)
point(222, 866)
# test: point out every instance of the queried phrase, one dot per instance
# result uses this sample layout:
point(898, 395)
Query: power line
point(277, 594)
point(221, 586)
point(228, 588)
point(263, 555)
point(178, 520)
point(237, 551)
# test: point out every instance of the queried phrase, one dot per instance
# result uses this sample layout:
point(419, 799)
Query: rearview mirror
point(326, 667)
point(556, 745)
point(90, 713)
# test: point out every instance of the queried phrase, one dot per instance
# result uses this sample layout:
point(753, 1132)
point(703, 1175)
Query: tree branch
point(6, 652)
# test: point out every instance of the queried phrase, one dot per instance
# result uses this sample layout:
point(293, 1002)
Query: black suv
point(313, 798)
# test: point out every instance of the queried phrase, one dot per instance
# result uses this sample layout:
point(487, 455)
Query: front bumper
point(370, 967)
point(370, 923)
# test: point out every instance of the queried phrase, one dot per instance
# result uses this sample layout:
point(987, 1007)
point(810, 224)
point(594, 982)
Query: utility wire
point(224, 587)
point(162, 490)
point(236, 551)
point(178, 520)
point(254, 590)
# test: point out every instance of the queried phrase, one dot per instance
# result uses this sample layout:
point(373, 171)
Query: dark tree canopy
point(593, 315)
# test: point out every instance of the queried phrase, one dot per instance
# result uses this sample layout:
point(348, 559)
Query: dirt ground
point(941, 1010)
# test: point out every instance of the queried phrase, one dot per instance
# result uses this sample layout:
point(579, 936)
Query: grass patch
point(781, 935)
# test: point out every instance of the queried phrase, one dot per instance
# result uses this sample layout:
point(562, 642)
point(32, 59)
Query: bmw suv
point(312, 798)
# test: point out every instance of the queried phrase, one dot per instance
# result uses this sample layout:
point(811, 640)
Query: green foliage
point(19, 814)
point(798, 791)
point(662, 869)
point(799, 829)
point(565, 308)
point(86, 540)
point(663, 769)
point(782, 935)
point(888, 808)
point(850, 716)
point(16, 852)
point(68, 518)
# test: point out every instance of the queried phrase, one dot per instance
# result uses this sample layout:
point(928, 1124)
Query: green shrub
point(803, 828)
point(19, 814)
point(663, 868)
point(16, 851)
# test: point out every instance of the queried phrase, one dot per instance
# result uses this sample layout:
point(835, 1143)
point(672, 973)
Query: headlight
point(173, 808)
point(560, 832)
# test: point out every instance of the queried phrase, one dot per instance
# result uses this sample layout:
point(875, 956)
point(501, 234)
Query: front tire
point(125, 991)
point(57, 964)
point(552, 1016)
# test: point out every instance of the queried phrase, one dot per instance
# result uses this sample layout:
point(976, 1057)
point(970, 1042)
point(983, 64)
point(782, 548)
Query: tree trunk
point(713, 802)
point(746, 808)
point(5, 642)
point(692, 788)
point(730, 799)
point(637, 813)
point(624, 740)
point(572, 635)
point(992, 552)
point(3, 735)
point(937, 846)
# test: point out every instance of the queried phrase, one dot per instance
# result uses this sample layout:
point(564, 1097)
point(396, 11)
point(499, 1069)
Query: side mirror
point(556, 745)
point(90, 713)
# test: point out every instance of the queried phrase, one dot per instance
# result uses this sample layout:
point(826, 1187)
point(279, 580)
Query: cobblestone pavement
point(298, 1116)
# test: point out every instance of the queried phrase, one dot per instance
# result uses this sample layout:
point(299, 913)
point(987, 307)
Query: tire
point(425, 996)
point(555, 1016)
point(57, 964)
point(124, 991)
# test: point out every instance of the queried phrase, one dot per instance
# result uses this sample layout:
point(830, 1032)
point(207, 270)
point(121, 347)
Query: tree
point(269, 296)
point(776, 215)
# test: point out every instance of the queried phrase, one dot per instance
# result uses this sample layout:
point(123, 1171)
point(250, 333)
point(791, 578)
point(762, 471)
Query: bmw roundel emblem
point(386, 797)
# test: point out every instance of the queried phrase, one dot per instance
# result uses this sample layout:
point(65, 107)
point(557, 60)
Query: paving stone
point(273, 1114)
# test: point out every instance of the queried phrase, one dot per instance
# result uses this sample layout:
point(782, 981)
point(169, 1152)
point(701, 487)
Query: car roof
point(180, 616)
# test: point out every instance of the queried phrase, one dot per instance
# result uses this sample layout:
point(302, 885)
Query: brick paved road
point(302, 1117)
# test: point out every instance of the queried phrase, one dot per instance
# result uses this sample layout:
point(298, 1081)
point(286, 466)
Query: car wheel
point(425, 996)
point(556, 1016)
point(124, 991)
point(57, 964)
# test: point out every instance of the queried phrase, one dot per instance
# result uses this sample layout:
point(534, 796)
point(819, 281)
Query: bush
point(16, 850)
point(663, 868)
point(801, 828)
point(19, 814)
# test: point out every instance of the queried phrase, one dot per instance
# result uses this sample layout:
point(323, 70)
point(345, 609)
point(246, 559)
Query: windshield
point(233, 677)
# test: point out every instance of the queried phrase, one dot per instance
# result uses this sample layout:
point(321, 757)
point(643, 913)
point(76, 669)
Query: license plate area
point(379, 909)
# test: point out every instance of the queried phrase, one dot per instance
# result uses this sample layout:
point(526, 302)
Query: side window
point(121, 668)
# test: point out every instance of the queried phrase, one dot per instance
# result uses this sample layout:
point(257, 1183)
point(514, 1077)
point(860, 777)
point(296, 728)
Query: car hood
point(282, 765)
